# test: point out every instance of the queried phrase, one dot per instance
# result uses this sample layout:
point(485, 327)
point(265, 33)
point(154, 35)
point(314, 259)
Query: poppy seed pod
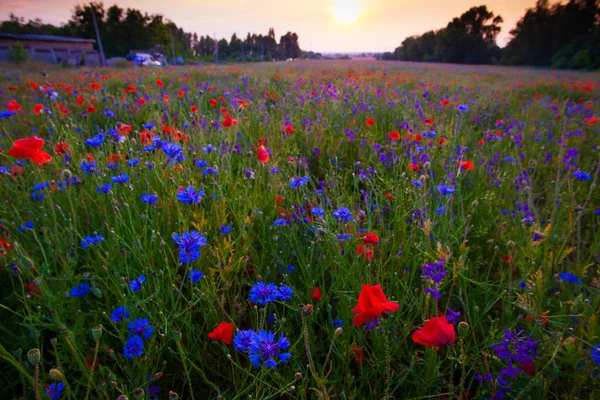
point(97, 333)
point(173, 396)
point(138, 393)
point(33, 356)
point(463, 328)
point(55, 374)
point(308, 309)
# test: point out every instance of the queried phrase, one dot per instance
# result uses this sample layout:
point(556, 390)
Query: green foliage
point(18, 54)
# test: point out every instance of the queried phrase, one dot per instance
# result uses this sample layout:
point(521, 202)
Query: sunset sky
point(322, 25)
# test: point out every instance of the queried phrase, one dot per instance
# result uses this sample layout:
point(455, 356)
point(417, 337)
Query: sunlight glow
point(346, 11)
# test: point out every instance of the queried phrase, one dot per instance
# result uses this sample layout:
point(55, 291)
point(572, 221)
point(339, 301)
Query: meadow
point(332, 230)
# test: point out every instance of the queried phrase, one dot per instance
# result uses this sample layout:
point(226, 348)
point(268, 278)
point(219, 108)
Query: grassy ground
point(480, 184)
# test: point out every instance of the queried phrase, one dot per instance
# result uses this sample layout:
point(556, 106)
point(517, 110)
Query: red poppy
point(371, 238)
point(37, 109)
point(131, 88)
point(394, 135)
point(428, 121)
point(371, 304)
point(480, 142)
point(228, 121)
point(413, 167)
point(222, 333)
point(141, 101)
point(262, 155)
point(316, 294)
point(13, 105)
point(96, 86)
point(213, 102)
point(61, 148)
point(193, 109)
point(289, 129)
point(166, 98)
point(528, 368)
point(30, 148)
point(370, 121)
point(34, 85)
point(358, 353)
point(443, 140)
point(180, 93)
point(5, 247)
point(364, 251)
point(159, 83)
point(436, 332)
point(279, 199)
point(465, 165)
point(33, 289)
point(80, 100)
point(91, 109)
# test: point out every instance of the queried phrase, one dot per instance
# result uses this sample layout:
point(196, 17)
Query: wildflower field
point(347, 230)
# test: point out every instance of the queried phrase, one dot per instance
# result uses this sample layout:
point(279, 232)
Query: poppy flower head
point(222, 333)
point(436, 332)
point(370, 121)
point(30, 148)
point(38, 109)
point(372, 302)
point(394, 135)
point(262, 155)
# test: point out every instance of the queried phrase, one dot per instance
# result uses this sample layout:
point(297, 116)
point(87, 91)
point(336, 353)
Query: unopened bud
point(173, 396)
point(308, 309)
point(298, 376)
point(97, 333)
point(55, 374)
point(33, 356)
point(474, 204)
point(339, 331)
point(122, 397)
point(463, 328)
point(426, 165)
point(138, 393)
point(510, 245)
point(177, 336)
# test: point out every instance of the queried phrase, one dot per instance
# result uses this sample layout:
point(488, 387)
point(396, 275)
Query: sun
point(346, 11)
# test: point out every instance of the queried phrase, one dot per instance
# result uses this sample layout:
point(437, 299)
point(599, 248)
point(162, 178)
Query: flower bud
point(173, 396)
point(33, 356)
point(308, 309)
point(510, 245)
point(177, 336)
point(339, 331)
point(55, 374)
point(122, 397)
point(463, 328)
point(138, 393)
point(97, 333)
point(298, 376)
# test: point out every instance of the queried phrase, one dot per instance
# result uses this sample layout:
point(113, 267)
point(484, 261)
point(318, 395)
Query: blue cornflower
point(174, 152)
point(141, 327)
point(440, 211)
point(570, 277)
point(201, 163)
point(90, 240)
point(6, 114)
point(337, 323)
point(136, 284)
point(209, 148)
point(274, 170)
point(190, 195)
point(463, 108)
point(95, 141)
point(298, 182)
point(104, 188)
point(210, 171)
point(189, 245)
point(317, 211)
point(79, 290)
point(264, 293)
point(134, 347)
point(582, 176)
point(195, 275)
point(243, 339)
point(266, 350)
point(343, 215)
point(123, 178)
point(434, 272)
point(54, 390)
point(285, 292)
point(88, 166)
point(445, 189)
point(417, 183)
point(134, 162)
point(119, 314)
point(280, 222)
point(343, 237)
point(27, 225)
point(149, 198)
point(225, 229)
point(596, 354)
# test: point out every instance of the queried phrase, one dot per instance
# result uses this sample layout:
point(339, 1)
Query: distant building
point(51, 49)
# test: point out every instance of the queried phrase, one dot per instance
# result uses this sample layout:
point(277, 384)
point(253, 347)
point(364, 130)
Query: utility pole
point(102, 59)
point(216, 48)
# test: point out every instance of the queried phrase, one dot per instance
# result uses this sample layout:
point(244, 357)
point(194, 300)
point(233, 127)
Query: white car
point(146, 60)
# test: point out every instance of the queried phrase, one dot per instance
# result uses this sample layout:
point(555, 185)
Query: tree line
point(560, 35)
point(122, 30)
